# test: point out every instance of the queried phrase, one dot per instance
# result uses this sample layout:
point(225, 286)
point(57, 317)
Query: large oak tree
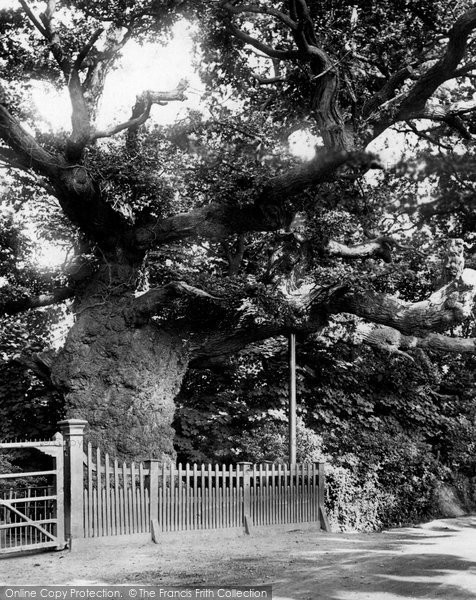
point(183, 236)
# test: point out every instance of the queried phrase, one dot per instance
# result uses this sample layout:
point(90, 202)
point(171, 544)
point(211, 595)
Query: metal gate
point(32, 503)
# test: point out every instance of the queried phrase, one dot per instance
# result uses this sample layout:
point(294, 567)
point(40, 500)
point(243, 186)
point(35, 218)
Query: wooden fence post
point(324, 521)
point(3, 535)
point(246, 468)
point(153, 466)
point(60, 514)
point(73, 435)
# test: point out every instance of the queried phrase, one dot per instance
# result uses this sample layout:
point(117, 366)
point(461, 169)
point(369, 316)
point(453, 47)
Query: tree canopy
point(189, 242)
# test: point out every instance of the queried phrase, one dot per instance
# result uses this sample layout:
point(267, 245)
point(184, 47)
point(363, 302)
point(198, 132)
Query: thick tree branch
point(10, 159)
point(444, 309)
point(415, 103)
point(83, 53)
point(28, 150)
point(392, 341)
point(11, 307)
point(269, 212)
point(443, 70)
point(450, 115)
point(73, 186)
point(220, 344)
point(324, 77)
point(100, 63)
point(80, 119)
point(75, 189)
point(319, 169)
point(33, 18)
point(395, 326)
point(324, 74)
point(151, 302)
point(47, 29)
point(379, 248)
point(386, 93)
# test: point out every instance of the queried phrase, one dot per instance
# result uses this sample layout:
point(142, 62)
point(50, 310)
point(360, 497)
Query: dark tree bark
point(120, 376)
point(123, 381)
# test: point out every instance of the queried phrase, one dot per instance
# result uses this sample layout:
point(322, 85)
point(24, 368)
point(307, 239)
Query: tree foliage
point(193, 241)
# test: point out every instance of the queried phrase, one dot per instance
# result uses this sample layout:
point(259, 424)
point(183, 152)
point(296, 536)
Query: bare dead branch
point(122, 126)
point(141, 109)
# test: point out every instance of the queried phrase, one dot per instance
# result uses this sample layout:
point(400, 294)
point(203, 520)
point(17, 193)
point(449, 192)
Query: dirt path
point(434, 561)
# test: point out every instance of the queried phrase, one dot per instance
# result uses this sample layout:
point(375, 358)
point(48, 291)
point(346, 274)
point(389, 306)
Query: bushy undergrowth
point(353, 503)
point(5, 463)
point(382, 479)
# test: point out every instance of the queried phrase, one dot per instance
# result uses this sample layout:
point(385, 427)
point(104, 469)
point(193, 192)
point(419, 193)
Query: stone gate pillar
point(73, 435)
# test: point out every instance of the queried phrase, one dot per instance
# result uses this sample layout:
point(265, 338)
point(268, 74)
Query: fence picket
point(107, 483)
point(275, 495)
point(173, 503)
point(163, 499)
point(179, 522)
point(194, 497)
point(134, 523)
point(90, 490)
point(224, 501)
point(98, 493)
point(142, 498)
point(125, 498)
point(269, 494)
point(147, 508)
point(117, 505)
point(188, 513)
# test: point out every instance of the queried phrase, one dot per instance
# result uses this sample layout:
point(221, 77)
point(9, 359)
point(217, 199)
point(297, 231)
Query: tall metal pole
point(292, 399)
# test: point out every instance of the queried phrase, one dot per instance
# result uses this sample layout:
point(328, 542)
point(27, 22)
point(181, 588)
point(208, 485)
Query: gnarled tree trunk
point(122, 378)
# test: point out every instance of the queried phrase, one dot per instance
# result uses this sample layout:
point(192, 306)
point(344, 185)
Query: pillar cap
point(72, 425)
